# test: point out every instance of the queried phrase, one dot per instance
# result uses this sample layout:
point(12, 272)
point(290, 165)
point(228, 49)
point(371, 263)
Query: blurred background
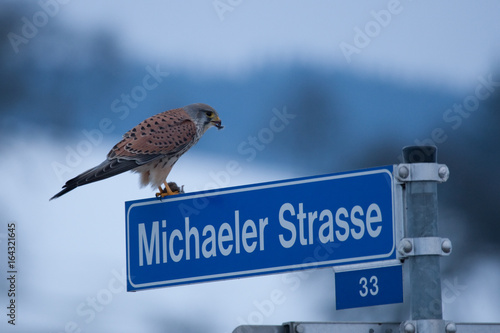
point(357, 81)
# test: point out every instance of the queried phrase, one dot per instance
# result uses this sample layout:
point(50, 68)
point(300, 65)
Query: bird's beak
point(217, 123)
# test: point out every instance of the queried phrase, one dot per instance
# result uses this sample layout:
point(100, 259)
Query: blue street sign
point(368, 287)
point(258, 229)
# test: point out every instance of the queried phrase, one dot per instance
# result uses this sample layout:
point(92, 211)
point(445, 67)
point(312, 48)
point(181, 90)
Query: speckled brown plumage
point(152, 147)
point(166, 133)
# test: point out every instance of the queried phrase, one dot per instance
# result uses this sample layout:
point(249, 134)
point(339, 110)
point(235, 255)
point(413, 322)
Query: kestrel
point(152, 148)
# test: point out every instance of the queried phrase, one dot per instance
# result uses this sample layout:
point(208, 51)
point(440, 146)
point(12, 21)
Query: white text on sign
point(159, 243)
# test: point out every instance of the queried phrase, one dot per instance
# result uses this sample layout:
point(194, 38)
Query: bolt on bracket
point(424, 246)
point(419, 172)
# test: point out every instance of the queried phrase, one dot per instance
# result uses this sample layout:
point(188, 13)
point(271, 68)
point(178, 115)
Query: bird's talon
point(163, 195)
point(167, 190)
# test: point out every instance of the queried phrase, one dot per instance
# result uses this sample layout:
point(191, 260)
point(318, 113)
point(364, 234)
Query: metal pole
point(421, 217)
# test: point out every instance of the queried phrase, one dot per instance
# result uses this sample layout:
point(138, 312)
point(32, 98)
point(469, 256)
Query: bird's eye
point(209, 114)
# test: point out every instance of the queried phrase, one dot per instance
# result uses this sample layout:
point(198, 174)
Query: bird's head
point(204, 115)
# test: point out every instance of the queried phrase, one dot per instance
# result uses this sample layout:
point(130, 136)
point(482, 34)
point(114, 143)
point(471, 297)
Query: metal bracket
point(428, 326)
point(409, 326)
point(419, 172)
point(424, 246)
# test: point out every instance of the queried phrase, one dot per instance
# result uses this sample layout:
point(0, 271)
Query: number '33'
point(368, 286)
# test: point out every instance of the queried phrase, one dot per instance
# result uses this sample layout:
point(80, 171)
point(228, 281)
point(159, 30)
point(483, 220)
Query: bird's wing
point(166, 134)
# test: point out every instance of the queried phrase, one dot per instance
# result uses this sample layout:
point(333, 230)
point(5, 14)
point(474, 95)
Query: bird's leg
point(167, 191)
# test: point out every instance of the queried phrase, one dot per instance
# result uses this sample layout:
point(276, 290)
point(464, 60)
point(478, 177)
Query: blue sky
point(445, 42)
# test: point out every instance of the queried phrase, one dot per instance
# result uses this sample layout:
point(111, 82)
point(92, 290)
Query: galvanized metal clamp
point(415, 172)
point(424, 246)
point(416, 326)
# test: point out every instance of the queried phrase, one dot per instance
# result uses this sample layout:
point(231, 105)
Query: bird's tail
point(106, 169)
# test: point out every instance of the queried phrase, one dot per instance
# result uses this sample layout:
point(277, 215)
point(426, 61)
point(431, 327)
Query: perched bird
point(152, 148)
